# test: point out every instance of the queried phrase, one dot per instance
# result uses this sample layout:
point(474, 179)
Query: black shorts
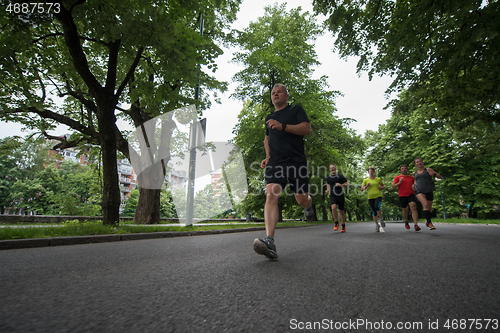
point(338, 200)
point(404, 201)
point(297, 175)
point(429, 196)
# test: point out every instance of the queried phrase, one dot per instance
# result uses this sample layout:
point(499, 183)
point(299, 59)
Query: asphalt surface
point(360, 281)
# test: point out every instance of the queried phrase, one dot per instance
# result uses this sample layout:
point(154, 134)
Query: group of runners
point(286, 164)
point(419, 186)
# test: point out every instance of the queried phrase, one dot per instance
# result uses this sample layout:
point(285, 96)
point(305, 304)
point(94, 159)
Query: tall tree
point(20, 159)
point(467, 163)
point(279, 48)
point(446, 52)
point(106, 60)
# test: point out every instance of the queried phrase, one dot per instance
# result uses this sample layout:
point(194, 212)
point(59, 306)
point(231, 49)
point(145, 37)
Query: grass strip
point(26, 231)
point(75, 228)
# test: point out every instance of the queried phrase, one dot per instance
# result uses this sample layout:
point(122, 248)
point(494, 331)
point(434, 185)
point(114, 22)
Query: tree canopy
point(89, 62)
point(446, 52)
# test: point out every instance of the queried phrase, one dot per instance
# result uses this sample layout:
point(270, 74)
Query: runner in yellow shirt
point(373, 185)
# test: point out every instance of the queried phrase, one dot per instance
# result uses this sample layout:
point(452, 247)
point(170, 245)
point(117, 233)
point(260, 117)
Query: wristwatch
point(284, 126)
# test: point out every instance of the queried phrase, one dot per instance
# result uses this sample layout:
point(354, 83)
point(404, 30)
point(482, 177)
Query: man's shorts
point(297, 175)
point(404, 201)
point(429, 196)
point(338, 200)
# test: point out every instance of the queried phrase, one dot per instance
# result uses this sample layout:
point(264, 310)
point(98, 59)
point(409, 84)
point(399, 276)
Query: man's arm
point(266, 147)
point(394, 184)
point(304, 128)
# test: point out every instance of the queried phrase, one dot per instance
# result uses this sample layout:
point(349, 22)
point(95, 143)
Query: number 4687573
point(33, 7)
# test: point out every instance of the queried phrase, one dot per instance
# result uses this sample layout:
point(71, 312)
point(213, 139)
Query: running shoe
point(417, 228)
point(382, 229)
point(309, 213)
point(431, 226)
point(377, 228)
point(265, 247)
point(382, 223)
point(343, 228)
point(407, 226)
point(336, 227)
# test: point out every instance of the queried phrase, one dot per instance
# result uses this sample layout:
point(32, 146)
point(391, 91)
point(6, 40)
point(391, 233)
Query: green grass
point(74, 228)
point(462, 220)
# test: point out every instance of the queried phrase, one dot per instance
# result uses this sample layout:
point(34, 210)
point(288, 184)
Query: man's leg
point(405, 214)
point(304, 199)
point(335, 213)
point(414, 213)
point(266, 246)
point(271, 210)
point(342, 216)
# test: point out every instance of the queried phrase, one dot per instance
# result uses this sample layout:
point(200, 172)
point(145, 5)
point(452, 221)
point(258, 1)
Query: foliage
point(20, 159)
point(445, 52)
point(65, 190)
point(131, 203)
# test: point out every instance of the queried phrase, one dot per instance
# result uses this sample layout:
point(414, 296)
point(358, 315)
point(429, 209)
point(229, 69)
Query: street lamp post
point(192, 153)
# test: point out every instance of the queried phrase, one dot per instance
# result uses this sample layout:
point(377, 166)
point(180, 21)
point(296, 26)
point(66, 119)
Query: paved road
point(216, 283)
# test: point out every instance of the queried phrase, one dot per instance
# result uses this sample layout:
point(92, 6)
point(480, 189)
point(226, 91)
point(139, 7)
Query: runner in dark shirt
point(335, 186)
point(285, 163)
point(424, 188)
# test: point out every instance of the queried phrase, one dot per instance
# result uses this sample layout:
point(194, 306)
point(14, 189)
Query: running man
point(374, 186)
point(285, 163)
point(424, 188)
point(404, 183)
point(335, 186)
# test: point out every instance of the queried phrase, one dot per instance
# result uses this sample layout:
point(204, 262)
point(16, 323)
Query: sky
point(363, 100)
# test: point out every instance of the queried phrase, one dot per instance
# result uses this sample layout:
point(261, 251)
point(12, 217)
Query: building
point(127, 179)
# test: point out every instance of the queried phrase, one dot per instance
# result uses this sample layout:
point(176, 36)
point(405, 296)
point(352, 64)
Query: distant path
point(216, 283)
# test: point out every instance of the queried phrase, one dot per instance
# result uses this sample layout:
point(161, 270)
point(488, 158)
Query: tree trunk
point(151, 179)
point(148, 208)
point(111, 188)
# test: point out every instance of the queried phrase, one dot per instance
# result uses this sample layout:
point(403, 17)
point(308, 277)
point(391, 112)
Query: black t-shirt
point(332, 180)
point(284, 146)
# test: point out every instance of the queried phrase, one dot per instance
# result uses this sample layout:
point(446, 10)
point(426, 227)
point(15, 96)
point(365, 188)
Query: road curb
point(11, 244)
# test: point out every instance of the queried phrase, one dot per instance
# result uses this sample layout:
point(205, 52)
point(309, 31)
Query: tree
point(74, 194)
point(466, 165)
point(20, 160)
point(107, 60)
point(446, 52)
point(131, 203)
point(279, 48)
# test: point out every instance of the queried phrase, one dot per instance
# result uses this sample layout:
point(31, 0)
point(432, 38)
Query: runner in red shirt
point(404, 182)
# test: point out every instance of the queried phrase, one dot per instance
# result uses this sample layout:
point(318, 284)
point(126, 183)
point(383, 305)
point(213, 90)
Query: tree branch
point(47, 114)
point(130, 73)
point(75, 49)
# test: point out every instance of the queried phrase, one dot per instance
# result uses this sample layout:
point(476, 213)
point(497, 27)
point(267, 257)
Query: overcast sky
point(363, 100)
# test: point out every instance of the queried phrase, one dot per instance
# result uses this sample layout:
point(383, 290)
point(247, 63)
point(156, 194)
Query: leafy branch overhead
point(447, 53)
